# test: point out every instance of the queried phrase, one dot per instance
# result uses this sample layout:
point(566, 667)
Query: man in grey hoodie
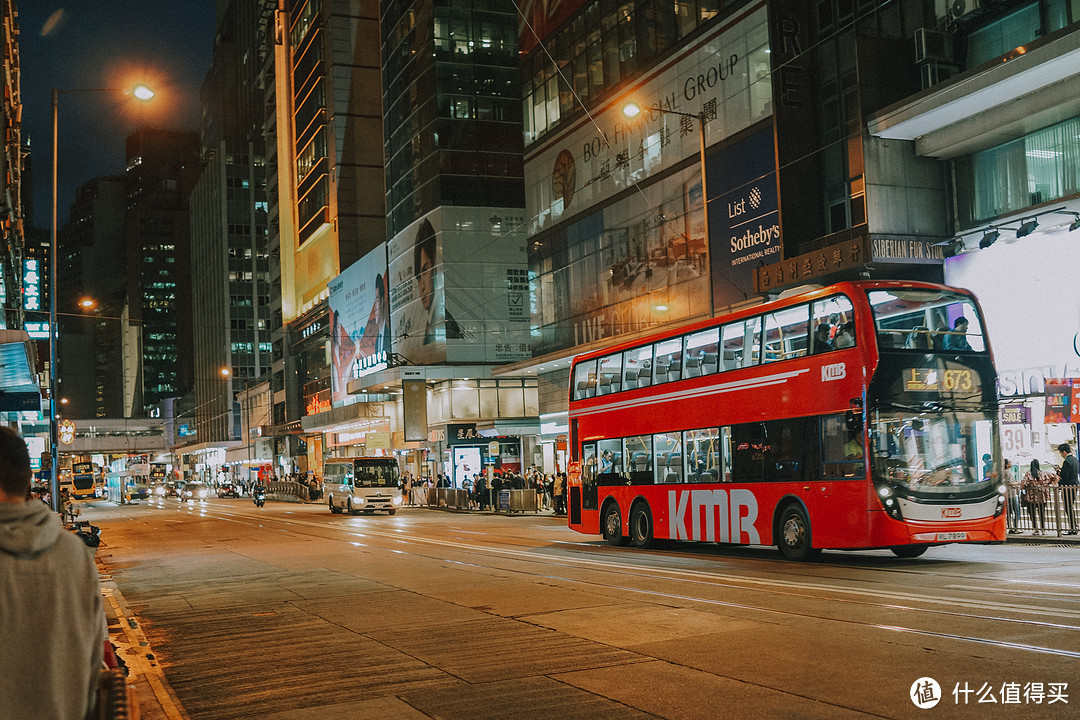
point(52, 621)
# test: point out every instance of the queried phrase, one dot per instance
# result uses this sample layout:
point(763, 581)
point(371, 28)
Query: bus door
point(573, 493)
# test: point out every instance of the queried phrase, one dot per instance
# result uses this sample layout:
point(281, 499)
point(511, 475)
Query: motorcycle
point(89, 534)
point(259, 498)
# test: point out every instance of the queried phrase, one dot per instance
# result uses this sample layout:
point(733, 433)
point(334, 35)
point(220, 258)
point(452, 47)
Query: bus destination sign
point(934, 380)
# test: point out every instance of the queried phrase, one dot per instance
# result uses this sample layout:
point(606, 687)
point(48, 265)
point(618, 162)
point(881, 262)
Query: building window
point(1035, 169)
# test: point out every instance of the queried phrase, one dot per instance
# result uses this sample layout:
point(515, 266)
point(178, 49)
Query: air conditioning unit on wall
point(932, 72)
point(931, 44)
point(956, 9)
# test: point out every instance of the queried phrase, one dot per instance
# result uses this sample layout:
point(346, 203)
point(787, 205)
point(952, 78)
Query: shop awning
point(19, 390)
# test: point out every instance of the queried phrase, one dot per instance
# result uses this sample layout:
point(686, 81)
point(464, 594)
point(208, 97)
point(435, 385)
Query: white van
point(361, 484)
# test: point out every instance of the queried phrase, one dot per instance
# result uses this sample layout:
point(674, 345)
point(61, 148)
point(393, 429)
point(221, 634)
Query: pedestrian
point(1012, 484)
point(482, 495)
point(52, 618)
point(1068, 484)
point(560, 483)
point(1036, 489)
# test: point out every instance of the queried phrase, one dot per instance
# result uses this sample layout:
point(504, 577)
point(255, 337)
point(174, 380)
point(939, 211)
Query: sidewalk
point(156, 698)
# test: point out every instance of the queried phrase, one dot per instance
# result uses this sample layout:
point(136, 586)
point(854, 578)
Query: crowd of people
point(1035, 491)
point(550, 488)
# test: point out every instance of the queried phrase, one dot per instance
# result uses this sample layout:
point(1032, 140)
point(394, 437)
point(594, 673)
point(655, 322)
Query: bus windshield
point(925, 319)
point(932, 452)
point(376, 474)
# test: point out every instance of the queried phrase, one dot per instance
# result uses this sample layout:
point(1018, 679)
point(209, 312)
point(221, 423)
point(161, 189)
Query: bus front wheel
point(794, 540)
point(334, 509)
point(641, 529)
point(612, 526)
point(908, 551)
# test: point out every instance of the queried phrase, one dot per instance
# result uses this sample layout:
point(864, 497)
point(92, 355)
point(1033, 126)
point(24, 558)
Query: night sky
point(96, 44)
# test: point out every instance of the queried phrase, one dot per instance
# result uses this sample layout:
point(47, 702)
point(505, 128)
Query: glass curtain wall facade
point(618, 241)
point(230, 227)
point(605, 44)
point(1020, 24)
point(309, 92)
point(161, 168)
point(452, 104)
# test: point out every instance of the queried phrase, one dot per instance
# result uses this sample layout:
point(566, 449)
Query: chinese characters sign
point(814, 265)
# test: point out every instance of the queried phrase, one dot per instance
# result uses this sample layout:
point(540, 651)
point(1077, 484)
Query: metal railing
point(525, 500)
point(1057, 516)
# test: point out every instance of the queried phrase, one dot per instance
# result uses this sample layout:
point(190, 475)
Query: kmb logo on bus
point(836, 371)
point(950, 512)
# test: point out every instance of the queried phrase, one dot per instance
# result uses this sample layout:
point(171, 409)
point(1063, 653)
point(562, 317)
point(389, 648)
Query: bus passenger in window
point(607, 459)
point(845, 335)
point(957, 339)
point(822, 338)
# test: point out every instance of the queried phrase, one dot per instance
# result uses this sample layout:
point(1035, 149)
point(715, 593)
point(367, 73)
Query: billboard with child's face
point(359, 321)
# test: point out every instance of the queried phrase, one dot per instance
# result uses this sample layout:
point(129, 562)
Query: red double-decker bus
point(856, 416)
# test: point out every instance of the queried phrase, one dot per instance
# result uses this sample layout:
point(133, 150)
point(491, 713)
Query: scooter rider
point(258, 493)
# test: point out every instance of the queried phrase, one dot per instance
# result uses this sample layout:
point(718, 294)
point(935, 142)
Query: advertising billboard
point(359, 317)
point(744, 218)
point(459, 289)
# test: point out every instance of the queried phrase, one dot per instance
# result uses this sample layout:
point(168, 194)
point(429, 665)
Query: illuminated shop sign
point(31, 285)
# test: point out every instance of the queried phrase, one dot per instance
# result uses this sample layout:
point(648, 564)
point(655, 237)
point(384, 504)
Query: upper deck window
point(926, 319)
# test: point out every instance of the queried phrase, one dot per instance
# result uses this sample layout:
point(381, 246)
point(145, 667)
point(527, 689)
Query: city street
point(291, 612)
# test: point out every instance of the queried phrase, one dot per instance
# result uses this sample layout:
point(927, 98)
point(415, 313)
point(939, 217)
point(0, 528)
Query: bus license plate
point(949, 536)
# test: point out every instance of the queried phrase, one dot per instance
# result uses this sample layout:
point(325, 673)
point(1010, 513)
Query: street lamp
point(142, 93)
point(632, 109)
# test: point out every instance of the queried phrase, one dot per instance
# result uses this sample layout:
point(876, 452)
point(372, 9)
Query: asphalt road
point(291, 612)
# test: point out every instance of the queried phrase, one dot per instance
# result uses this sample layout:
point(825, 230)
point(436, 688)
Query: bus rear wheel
point(794, 538)
point(908, 551)
point(641, 529)
point(612, 526)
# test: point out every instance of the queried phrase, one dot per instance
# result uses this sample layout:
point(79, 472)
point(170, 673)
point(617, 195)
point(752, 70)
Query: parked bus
point(85, 481)
point(856, 416)
point(362, 484)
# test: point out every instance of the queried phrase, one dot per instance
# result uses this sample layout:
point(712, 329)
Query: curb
point(155, 696)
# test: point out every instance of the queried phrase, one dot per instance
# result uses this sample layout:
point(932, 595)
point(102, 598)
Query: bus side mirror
point(853, 420)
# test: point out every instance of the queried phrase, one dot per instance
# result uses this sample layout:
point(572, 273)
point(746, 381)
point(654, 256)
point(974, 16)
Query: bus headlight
point(359, 500)
point(1002, 489)
point(396, 500)
point(885, 491)
point(202, 493)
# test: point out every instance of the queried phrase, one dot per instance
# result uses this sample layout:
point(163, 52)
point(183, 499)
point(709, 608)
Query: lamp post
point(142, 93)
point(632, 109)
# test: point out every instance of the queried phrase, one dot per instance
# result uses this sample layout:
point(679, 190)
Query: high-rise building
point(231, 266)
point(92, 302)
point(161, 169)
point(325, 194)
